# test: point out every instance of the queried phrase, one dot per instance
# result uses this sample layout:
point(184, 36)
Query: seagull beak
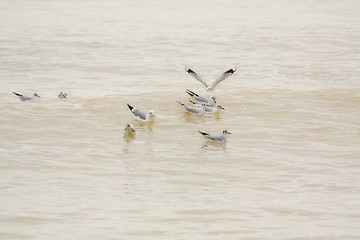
point(228, 132)
point(223, 108)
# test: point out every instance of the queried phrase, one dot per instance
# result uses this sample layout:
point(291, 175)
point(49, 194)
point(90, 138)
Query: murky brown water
point(289, 170)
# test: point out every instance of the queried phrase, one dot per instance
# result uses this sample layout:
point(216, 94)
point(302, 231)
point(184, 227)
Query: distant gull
point(209, 101)
point(25, 98)
point(142, 116)
point(62, 95)
point(209, 109)
point(129, 129)
point(216, 138)
point(221, 78)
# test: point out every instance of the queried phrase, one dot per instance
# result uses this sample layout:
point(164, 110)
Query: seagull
point(194, 110)
point(139, 115)
point(129, 130)
point(25, 98)
point(62, 95)
point(216, 138)
point(209, 101)
point(211, 88)
point(209, 109)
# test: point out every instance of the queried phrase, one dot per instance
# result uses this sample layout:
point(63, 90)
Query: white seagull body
point(209, 101)
point(25, 98)
point(194, 110)
point(209, 109)
point(142, 116)
point(129, 129)
point(216, 138)
point(221, 78)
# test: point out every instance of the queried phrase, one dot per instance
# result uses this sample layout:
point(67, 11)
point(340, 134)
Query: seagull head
point(36, 95)
point(219, 106)
point(226, 132)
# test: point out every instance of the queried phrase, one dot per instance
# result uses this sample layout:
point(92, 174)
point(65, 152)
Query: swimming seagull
point(209, 101)
point(25, 98)
point(221, 78)
point(62, 95)
point(194, 110)
point(144, 117)
point(216, 138)
point(209, 109)
point(129, 129)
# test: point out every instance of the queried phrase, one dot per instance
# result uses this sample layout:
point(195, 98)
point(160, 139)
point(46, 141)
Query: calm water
point(290, 169)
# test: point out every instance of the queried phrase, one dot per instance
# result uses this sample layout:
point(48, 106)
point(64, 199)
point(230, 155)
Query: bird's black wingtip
point(191, 93)
point(180, 103)
point(130, 107)
point(231, 70)
point(203, 133)
point(190, 71)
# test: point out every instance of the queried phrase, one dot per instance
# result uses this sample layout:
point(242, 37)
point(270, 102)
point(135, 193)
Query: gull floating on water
point(142, 116)
point(62, 95)
point(211, 88)
point(194, 110)
point(25, 98)
point(208, 109)
point(129, 129)
point(216, 138)
point(209, 101)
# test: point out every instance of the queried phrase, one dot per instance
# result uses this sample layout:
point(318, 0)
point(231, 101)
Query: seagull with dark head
point(142, 116)
point(194, 110)
point(26, 98)
point(209, 109)
point(129, 130)
point(201, 99)
point(216, 138)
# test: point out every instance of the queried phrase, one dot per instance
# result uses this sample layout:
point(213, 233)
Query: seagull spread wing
point(196, 76)
point(222, 77)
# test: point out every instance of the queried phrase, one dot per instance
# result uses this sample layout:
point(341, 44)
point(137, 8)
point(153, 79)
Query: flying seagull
point(221, 78)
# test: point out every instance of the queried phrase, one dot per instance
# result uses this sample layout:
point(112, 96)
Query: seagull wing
point(196, 76)
point(17, 94)
point(137, 113)
point(222, 77)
